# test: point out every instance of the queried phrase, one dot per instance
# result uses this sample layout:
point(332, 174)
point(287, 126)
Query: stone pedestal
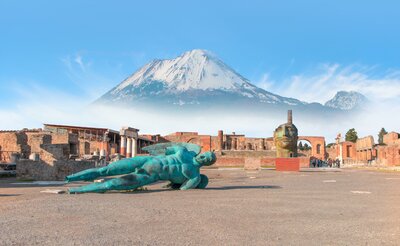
point(287, 164)
point(252, 163)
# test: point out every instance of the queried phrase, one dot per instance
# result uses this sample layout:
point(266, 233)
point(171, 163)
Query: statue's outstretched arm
point(126, 182)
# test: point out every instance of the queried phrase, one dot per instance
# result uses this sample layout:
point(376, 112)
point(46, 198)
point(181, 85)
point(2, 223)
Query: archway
point(304, 148)
point(317, 145)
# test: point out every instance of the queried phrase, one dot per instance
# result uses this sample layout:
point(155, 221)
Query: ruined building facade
point(59, 150)
point(366, 151)
point(41, 155)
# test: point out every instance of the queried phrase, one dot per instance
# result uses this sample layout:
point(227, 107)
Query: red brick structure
point(389, 153)
point(366, 151)
point(287, 164)
point(207, 142)
point(317, 145)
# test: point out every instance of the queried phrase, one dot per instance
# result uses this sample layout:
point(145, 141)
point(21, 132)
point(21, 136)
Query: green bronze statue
point(285, 138)
point(178, 163)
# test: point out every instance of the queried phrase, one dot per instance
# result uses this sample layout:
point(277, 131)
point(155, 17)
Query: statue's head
point(285, 138)
point(206, 159)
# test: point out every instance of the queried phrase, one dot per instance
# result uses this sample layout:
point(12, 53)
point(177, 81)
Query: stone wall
point(365, 143)
point(57, 170)
point(206, 142)
point(253, 161)
point(230, 142)
point(332, 152)
point(244, 153)
point(10, 142)
point(229, 161)
point(389, 155)
point(391, 138)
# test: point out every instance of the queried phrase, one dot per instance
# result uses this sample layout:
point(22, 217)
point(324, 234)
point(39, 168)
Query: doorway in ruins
point(304, 148)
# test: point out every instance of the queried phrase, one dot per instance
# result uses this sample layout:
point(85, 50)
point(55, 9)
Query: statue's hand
point(193, 176)
point(191, 183)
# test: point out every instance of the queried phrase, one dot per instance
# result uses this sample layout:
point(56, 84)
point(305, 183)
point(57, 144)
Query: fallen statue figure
point(177, 162)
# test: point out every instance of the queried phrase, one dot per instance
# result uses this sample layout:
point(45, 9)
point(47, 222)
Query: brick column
point(220, 140)
point(123, 146)
point(129, 148)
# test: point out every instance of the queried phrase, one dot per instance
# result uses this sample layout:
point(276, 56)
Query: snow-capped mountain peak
point(195, 69)
point(193, 78)
point(346, 100)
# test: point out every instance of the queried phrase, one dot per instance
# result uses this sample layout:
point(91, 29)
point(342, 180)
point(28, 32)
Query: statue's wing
point(171, 148)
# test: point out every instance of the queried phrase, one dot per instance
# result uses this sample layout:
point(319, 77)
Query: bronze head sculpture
point(285, 138)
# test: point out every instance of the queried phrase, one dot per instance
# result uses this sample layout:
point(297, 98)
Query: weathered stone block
point(252, 163)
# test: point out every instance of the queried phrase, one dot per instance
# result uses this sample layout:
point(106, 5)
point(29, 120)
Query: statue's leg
point(124, 166)
point(203, 182)
point(127, 182)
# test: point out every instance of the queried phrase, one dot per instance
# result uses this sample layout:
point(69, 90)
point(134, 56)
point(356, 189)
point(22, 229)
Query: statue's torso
point(169, 167)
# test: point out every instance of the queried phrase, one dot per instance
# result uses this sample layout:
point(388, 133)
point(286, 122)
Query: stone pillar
point(103, 153)
point(233, 144)
point(129, 148)
point(220, 140)
point(123, 146)
point(290, 117)
point(134, 147)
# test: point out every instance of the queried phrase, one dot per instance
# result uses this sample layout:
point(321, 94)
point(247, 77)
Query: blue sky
point(81, 49)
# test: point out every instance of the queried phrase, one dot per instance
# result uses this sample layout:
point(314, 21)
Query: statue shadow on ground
point(2, 195)
point(233, 187)
point(243, 187)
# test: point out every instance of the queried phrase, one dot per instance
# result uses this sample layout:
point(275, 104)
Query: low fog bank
point(252, 124)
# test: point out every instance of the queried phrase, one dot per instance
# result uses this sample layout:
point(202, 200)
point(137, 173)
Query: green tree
point(300, 146)
point(351, 135)
point(306, 147)
point(380, 135)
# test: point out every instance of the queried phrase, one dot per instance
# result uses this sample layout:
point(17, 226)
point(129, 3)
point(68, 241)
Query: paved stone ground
point(351, 207)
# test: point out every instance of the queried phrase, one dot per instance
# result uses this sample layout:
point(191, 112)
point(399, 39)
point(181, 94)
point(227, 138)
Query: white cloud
point(90, 82)
point(265, 82)
point(328, 79)
point(78, 60)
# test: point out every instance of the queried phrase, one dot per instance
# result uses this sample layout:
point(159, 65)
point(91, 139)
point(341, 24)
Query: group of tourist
point(314, 162)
